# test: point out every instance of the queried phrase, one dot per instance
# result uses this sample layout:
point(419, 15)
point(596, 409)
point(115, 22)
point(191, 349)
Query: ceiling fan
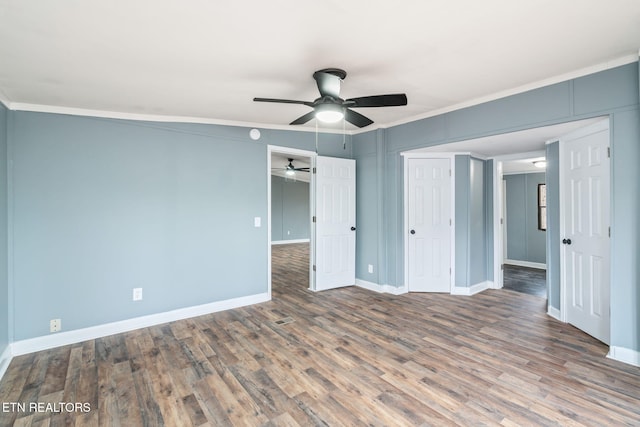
point(330, 108)
point(290, 169)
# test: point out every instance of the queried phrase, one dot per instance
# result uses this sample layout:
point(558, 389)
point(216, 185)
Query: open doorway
point(524, 224)
point(518, 145)
point(577, 254)
point(290, 220)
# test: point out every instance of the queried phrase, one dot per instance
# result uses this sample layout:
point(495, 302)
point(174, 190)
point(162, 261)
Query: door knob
point(353, 229)
point(566, 241)
point(413, 232)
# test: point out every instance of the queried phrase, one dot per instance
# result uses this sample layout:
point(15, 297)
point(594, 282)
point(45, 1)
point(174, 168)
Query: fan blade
point(393, 100)
point(356, 118)
point(328, 84)
point(301, 169)
point(304, 119)
point(283, 101)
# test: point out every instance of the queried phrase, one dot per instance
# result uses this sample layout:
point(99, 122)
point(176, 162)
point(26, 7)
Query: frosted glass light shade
point(329, 113)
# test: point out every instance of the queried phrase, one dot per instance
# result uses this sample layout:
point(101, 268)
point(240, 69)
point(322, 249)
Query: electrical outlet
point(55, 325)
point(137, 294)
point(370, 269)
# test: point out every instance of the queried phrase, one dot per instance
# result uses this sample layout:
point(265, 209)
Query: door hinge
point(609, 231)
point(313, 219)
point(450, 222)
point(449, 271)
point(501, 266)
point(314, 267)
point(501, 221)
point(609, 152)
point(314, 170)
point(449, 172)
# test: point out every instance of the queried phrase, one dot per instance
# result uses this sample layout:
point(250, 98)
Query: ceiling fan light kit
point(329, 113)
point(540, 164)
point(330, 108)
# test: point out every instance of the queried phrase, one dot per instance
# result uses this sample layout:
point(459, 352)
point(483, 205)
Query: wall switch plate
point(137, 294)
point(55, 325)
point(370, 268)
point(256, 221)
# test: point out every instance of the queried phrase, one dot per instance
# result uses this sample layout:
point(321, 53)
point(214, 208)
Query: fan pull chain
point(344, 136)
point(316, 136)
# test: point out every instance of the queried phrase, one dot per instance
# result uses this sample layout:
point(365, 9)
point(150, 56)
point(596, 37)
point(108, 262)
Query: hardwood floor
point(342, 357)
point(530, 281)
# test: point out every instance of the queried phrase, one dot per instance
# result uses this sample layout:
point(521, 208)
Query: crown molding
point(4, 99)
point(616, 62)
point(72, 111)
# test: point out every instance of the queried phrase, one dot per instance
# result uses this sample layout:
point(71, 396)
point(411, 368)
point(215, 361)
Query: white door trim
point(312, 156)
point(587, 130)
point(499, 210)
point(499, 225)
point(452, 236)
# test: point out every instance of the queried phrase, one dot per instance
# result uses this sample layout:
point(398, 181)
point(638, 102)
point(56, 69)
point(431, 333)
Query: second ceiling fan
point(290, 169)
point(329, 107)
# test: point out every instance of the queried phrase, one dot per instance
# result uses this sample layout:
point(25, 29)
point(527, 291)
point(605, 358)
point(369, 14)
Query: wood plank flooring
point(342, 357)
point(531, 281)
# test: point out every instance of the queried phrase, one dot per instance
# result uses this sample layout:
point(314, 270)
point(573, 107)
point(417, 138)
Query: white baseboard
point(554, 312)
point(538, 265)
point(71, 337)
point(288, 242)
point(625, 355)
point(383, 289)
point(494, 285)
point(5, 360)
point(472, 290)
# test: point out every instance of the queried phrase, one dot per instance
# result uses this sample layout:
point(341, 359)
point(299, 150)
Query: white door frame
point(312, 156)
point(405, 236)
point(499, 200)
point(563, 286)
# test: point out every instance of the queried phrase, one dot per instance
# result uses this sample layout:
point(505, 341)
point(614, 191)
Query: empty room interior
point(334, 213)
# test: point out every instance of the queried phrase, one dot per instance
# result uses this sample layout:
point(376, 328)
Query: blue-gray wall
point(290, 215)
point(368, 175)
point(102, 206)
point(525, 242)
point(472, 232)
point(553, 223)
point(613, 92)
point(477, 231)
point(4, 283)
point(462, 199)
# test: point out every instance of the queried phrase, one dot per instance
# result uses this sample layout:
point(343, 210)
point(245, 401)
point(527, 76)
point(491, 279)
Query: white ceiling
point(205, 60)
point(522, 166)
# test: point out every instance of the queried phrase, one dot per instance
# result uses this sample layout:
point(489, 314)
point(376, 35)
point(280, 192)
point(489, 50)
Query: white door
point(429, 225)
point(585, 228)
point(335, 252)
